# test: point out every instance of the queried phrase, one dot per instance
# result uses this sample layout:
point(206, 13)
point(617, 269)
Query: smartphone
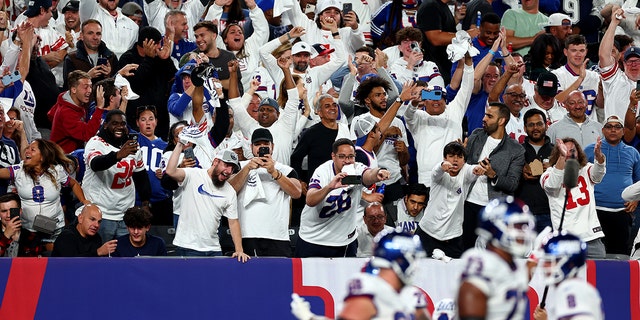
point(310, 8)
point(346, 8)
point(133, 136)
point(102, 61)
point(14, 212)
point(188, 153)
point(485, 162)
point(262, 151)
point(434, 95)
point(415, 47)
point(638, 85)
point(355, 179)
point(11, 78)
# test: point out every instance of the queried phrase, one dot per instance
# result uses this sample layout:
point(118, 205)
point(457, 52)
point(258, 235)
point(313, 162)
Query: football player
point(493, 285)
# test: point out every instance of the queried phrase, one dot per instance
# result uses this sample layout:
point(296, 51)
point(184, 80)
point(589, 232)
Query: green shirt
point(524, 24)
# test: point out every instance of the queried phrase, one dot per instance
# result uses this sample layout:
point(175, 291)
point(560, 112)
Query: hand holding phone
point(188, 153)
point(14, 212)
point(352, 179)
point(262, 151)
point(346, 8)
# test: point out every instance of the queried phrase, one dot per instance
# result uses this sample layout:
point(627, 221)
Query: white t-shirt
point(198, 227)
point(39, 197)
point(112, 190)
point(332, 222)
point(616, 87)
point(445, 210)
point(365, 240)
point(263, 205)
point(405, 221)
point(480, 194)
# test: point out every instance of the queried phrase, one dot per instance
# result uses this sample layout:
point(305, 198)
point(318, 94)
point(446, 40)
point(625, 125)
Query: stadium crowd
point(240, 123)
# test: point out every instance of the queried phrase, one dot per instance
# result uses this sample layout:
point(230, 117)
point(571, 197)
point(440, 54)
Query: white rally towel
point(460, 45)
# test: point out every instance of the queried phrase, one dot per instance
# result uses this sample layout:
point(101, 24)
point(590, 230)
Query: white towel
point(460, 45)
point(253, 189)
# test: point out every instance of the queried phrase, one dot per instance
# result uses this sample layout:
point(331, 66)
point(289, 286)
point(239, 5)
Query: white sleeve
point(88, 10)
point(632, 192)
point(242, 118)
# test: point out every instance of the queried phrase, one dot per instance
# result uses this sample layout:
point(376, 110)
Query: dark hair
point(16, 136)
point(620, 41)
point(341, 142)
point(368, 50)
point(51, 155)
point(109, 87)
point(75, 76)
point(148, 33)
point(341, 25)
point(454, 148)
point(412, 34)
point(503, 111)
point(491, 18)
point(113, 113)
point(418, 189)
point(555, 153)
point(206, 24)
point(136, 217)
point(532, 112)
point(539, 50)
point(172, 134)
point(10, 196)
point(241, 54)
point(574, 39)
point(89, 21)
point(366, 86)
point(392, 26)
point(235, 14)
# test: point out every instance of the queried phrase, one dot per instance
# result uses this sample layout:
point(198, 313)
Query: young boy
point(441, 226)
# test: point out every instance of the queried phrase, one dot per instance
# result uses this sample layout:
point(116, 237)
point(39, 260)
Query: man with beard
point(576, 124)
point(120, 32)
point(392, 152)
point(88, 51)
point(513, 97)
point(537, 150)
point(210, 196)
point(501, 157)
point(70, 128)
point(115, 172)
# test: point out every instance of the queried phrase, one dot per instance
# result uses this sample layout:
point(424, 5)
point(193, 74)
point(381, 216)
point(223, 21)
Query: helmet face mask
point(564, 255)
point(508, 224)
point(397, 251)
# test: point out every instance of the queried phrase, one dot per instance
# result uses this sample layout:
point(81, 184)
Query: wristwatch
point(399, 100)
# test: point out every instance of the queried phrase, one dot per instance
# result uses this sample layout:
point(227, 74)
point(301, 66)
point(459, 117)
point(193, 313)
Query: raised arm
point(606, 44)
point(172, 169)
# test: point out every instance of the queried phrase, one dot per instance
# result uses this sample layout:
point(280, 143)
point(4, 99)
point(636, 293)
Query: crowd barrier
point(222, 288)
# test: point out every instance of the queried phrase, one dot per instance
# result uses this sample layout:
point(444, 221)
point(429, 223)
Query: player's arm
point(358, 308)
point(472, 303)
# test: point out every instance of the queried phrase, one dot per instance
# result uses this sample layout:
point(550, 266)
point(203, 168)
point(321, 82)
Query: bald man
point(81, 239)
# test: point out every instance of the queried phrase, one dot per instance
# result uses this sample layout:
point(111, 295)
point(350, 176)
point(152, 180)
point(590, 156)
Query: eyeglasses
point(142, 109)
point(374, 218)
point(611, 126)
point(346, 156)
point(633, 62)
point(516, 95)
point(535, 124)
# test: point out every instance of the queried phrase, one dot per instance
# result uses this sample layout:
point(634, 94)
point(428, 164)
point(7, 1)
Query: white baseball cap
point(299, 47)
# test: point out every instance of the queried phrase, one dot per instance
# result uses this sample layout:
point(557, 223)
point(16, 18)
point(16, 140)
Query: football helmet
point(396, 250)
point(445, 310)
point(508, 224)
point(563, 256)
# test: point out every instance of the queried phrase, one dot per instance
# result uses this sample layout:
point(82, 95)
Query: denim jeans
point(184, 252)
point(110, 229)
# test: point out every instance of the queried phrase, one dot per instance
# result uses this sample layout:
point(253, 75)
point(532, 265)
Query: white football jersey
point(112, 189)
point(589, 86)
point(580, 217)
point(39, 197)
point(332, 222)
point(504, 285)
point(389, 303)
point(575, 297)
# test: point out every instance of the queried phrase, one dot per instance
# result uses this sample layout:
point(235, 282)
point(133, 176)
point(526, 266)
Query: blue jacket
point(623, 169)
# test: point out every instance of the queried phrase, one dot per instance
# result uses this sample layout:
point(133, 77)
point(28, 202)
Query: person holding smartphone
point(265, 185)
point(10, 210)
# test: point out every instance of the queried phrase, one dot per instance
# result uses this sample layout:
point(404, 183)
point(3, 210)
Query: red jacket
point(69, 127)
